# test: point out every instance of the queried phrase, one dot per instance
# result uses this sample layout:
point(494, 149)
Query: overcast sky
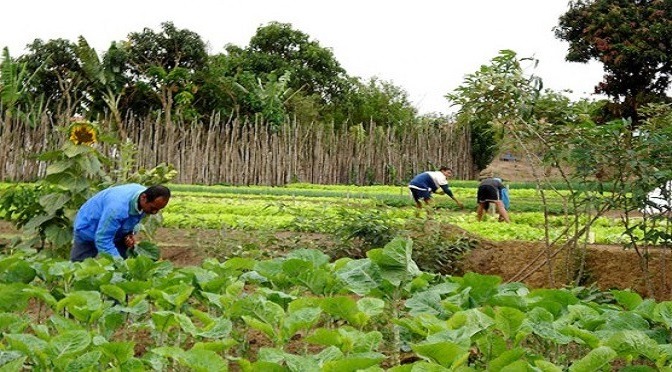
point(425, 47)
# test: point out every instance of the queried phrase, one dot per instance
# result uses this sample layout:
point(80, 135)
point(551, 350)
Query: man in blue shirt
point(106, 223)
point(424, 184)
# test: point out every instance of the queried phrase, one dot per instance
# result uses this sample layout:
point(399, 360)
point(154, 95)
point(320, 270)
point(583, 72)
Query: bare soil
point(518, 170)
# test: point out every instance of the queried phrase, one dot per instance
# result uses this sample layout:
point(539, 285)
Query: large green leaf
point(301, 363)
point(13, 323)
point(13, 297)
point(147, 249)
point(71, 150)
point(175, 295)
point(587, 337)
point(76, 185)
point(663, 313)
point(371, 306)
point(120, 351)
point(470, 321)
point(114, 292)
point(300, 319)
point(508, 320)
point(163, 320)
point(8, 356)
point(483, 287)
point(345, 308)
point(83, 305)
point(622, 320)
point(360, 276)
point(561, 296)
point(395, 261)
point(360, 341)
point(201, 360)
point(69, 343)
point(29, 345)
point(594, 360)
point(353, 362)
point(265, 328)
point(186, 324)
point(628, 299)
point(540, 322)
point(36, 222)
point(633, 344)
point(219, 329)
point(506, 358)
point(16, 270)
point(14, 365)
point(447, 354)
point(58, 236)
point(315, 257)
point(323, 336)
point(57, 168)
point(134, 286)
point(91, 165)
point(546, 366)
point(427, 302)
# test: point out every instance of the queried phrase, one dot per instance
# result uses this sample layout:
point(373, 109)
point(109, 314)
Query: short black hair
point(444, 168)
point(156, 191)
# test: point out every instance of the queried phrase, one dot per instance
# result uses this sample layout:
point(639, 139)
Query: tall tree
point(632, 39)
point(277, 48)
point(163, 65)
point(57, 75)
point(496, 96)
point(380, 102)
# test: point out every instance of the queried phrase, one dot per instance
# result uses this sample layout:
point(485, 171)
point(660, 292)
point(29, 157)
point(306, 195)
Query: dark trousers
point(81, 250)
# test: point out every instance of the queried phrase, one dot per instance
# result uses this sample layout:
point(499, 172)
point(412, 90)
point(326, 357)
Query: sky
point(426, 47)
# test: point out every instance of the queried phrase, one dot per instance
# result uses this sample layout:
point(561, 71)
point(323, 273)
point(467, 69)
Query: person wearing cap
point(490, 191)
point(424, 184)
point(106, 222)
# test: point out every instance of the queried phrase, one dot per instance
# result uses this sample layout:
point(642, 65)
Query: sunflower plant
point(76, 170)
point(45, 210)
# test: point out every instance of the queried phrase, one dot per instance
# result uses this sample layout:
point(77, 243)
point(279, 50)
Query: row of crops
point(302, 312)
point(319, 208)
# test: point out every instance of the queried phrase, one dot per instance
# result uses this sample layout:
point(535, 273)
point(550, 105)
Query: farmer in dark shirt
point(490, 191)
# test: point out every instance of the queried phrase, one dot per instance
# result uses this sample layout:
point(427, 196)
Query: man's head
point(446, 171)
point(154, 199)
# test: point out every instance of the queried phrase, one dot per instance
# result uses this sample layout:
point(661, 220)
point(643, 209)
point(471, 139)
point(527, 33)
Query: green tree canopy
point(163, 66)
point(57, 75)
point(380, 102)
point(492, 98)
point(633, 41)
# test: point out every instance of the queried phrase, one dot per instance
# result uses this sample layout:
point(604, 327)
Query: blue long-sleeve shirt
point(109, 215)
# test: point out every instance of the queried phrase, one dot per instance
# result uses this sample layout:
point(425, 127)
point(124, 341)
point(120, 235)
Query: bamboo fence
point(248, 153)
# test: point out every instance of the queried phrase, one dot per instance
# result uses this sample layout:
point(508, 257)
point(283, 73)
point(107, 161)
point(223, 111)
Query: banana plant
point(103, 80)
point(14, 83)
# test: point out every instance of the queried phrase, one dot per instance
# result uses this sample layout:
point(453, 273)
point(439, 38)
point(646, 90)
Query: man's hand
point(129, 241)
point(459, 204)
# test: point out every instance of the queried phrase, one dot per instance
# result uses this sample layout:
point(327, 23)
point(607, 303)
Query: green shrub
point(437, 247)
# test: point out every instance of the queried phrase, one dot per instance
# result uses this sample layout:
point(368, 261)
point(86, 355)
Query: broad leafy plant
point(46, 209)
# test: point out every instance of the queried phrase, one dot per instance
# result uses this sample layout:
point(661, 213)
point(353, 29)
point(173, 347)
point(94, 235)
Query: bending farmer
point(106, 223)
point(424, 184)
point(490, 191)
